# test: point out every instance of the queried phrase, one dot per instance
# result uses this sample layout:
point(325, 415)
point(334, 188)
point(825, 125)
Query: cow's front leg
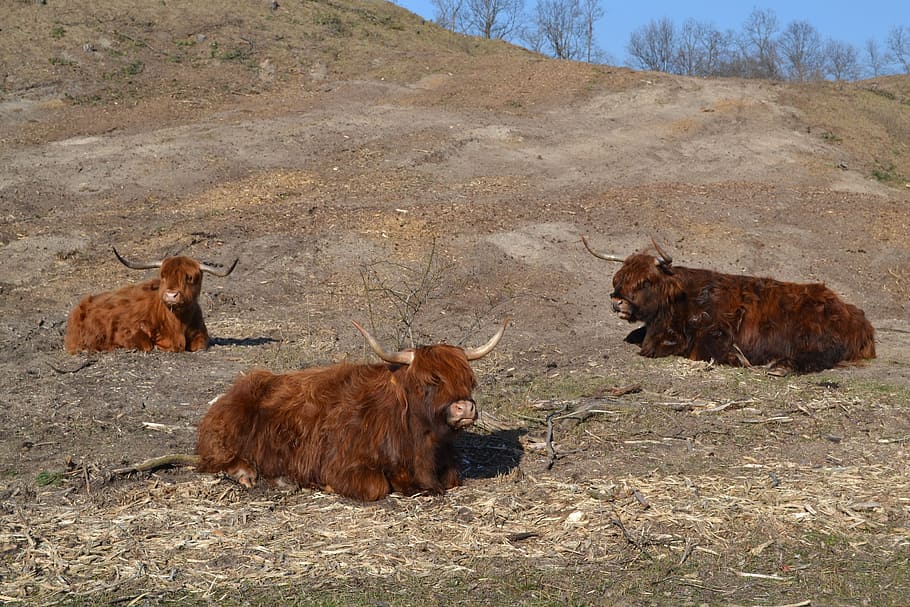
point(662, 342)
point(363, 483)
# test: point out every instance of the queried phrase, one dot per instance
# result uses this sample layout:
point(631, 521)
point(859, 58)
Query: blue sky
point(853, 22)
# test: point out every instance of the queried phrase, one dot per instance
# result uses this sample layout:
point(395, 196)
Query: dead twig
point(641, 498)
point(623, 390)
point(687, 552)
point(889, 441)
point(149, 465)
point(763, 576)
point(85, 364)
point(625, 532)
point(552, 457)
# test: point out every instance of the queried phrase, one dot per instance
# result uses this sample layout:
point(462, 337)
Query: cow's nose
point(465, 409)
point(461, 414)
point(617, 304)
point(171, 297)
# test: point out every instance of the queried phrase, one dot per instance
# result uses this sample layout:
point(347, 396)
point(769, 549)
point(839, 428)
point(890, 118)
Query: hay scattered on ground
point(203, 534)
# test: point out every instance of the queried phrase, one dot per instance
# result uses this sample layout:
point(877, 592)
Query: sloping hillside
point(349, 153)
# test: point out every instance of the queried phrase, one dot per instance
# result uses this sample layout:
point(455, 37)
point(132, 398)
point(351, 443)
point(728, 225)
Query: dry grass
point(203, 537)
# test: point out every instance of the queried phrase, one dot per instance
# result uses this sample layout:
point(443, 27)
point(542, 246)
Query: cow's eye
point(190, 278)
point(645, 284)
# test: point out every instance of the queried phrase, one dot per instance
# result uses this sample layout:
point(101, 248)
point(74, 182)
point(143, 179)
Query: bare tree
point(687, 54)
point(493, 18)
point(591, 13)
point(876, 60)
point(700, 49)
point(801, 51)
point(450, 14)
point(758, 43)
point(717, 51)
point(558, 22)
point(533, 38)
point(841, 60)
point(400, 291)
point(652, 46)
point(899, 45)
point(566, 27)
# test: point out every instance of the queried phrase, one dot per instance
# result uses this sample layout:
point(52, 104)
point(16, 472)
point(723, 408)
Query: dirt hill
point(350, 153)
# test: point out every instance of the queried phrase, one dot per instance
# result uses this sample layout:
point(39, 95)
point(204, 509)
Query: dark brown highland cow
point(361, 431)
point(736, 320)
point(160, 313)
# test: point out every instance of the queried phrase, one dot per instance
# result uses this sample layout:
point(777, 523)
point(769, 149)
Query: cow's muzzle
point(171, 298)
point(461, 414)
point(623, 308)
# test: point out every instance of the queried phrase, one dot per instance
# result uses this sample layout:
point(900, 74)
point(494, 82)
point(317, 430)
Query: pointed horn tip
point(477, 353)
point(132, 264)
point(211, 270)
point(604, 256)
point(663, 257)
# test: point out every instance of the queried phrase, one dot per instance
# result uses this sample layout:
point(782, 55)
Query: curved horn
point(662, 257)
point(401, 358)
point(475, 353)
point(211, 269)
point(601, 255)
point(135, 265)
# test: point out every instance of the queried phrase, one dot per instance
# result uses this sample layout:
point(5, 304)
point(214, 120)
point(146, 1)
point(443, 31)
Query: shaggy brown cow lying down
point(361, 430)
point(159, 313)
point(736, 320)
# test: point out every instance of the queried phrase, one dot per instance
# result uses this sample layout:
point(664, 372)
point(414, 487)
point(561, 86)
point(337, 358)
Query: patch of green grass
point(887, 173)
point(234, 54)
point(82, 99)
point(333, 24)
point(831, 137)
point(827, 540)
point(134, 68)
point(46, 478)
point(60, 61)
point(883, 93)
point(58, 32)
point(869, 389)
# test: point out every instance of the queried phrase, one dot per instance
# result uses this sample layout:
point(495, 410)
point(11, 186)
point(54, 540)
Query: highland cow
point(736, 320)
point(359, 430)
point(161, 313)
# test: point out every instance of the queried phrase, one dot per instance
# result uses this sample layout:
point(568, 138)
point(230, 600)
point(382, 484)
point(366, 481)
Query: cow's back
point(803, 326)
point(113, 319)
point(275, 423)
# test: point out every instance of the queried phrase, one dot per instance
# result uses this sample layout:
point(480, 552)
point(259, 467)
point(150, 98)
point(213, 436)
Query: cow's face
point(641, 287)
point(444, 376)
point(181, 282)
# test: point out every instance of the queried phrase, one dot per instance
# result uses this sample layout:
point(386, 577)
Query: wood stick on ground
point(174, 459)
point(86, 363)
